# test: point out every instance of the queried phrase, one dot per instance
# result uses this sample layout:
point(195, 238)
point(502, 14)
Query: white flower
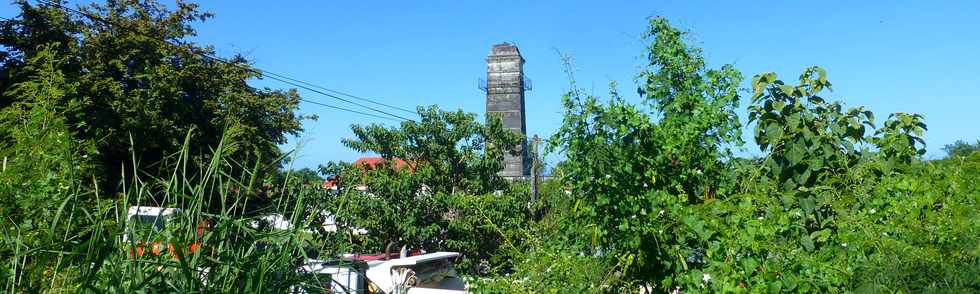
point(843, 245)
point(677, 290)
point(872, 211)
point(706, 277)
point(761, 218)
point(608, 176)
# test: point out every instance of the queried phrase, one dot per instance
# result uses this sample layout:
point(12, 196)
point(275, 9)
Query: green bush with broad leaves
point(807, 140)
point(658, 203)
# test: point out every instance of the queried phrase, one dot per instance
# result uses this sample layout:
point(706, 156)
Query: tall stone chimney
point(505, 86)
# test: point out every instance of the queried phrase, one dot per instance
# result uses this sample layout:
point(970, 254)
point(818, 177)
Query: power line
point(278, 77)
point(300, 84)
point(301, 99)
point(270, 75)
point(348, 110)
point(341, 93)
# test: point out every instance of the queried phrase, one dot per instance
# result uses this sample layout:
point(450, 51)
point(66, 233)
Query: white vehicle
point(143, 226)
point(423, 273)
point(153, 217)
point(426, 273)
point(279, 222)
point(336, 276)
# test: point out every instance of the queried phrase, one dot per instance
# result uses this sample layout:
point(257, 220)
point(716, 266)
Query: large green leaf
point(788, 90)
point(807, 242)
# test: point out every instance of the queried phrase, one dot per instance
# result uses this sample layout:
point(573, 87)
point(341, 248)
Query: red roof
point(370, 163)
point(330, 183)
point(373, 162)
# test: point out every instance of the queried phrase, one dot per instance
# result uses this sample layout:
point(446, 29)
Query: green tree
point(450, 151)
point(632, 169)
point(304, 176)
point(695, 107)
point(138, 79)
point(961, 148)
point(434, 188)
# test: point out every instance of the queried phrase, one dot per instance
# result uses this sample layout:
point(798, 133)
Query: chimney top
point(505, 49)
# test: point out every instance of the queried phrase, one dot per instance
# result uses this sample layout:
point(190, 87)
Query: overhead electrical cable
point(267, 74)
point(341, 93)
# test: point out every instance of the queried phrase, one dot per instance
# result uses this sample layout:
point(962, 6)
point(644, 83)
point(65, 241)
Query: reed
point(88, 244)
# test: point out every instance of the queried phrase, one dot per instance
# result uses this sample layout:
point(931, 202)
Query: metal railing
point(481, 84)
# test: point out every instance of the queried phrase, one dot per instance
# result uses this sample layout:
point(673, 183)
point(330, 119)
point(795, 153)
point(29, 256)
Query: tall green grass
point(77, 244)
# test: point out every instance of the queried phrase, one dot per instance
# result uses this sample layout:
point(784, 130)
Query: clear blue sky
point(891, 56)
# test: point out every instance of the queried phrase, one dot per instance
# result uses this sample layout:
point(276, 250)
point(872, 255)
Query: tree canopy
point(450, 150)
point(961, 148)
point(434, 187)
point(139, 86)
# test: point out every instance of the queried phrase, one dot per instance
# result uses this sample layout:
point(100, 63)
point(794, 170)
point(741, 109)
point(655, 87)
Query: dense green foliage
point(627, 169)
point(126, 81)
point(95, 118)
point(61, 233)
point(831, 207)
point(433, 189)
point(450, 150)
point(961, 148)
point(80, 246)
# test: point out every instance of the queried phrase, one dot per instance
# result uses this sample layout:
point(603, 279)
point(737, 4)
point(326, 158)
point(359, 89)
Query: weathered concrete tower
point(505, 86)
